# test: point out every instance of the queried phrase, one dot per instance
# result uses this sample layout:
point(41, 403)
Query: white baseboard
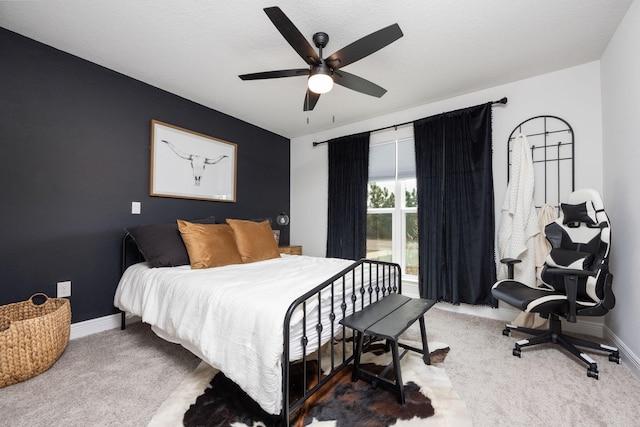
point(627, 356)
point(92, 326)
point(410, 289)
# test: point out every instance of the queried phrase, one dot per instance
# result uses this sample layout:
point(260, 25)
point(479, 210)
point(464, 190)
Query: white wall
point(572, 94)
point(620, 66)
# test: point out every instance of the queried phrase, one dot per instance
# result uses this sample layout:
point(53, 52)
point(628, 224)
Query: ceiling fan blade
point(353, 82)
point(365, 46)
point(291, 34)
point(310, 100)
point(275, 74)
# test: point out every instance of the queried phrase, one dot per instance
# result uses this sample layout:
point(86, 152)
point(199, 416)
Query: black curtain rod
point(500, 101)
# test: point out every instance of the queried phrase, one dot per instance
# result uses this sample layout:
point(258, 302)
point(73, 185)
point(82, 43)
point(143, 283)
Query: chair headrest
point(584, 195)
point(585, 206)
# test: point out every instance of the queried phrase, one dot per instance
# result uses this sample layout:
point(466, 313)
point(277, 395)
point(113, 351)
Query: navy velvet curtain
point(456, 206)
point(348, 181)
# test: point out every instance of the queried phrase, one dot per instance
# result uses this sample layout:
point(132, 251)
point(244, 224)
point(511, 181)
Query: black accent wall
point(74, 154)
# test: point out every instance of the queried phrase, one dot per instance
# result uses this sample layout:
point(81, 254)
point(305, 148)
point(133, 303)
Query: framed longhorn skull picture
point(190, 165)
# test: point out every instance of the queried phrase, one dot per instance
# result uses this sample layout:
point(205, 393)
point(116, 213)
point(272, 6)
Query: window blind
point(392, 159)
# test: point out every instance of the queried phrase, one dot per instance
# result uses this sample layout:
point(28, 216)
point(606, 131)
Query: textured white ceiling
point(197, 48)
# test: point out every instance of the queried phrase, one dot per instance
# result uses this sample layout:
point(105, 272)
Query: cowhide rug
point(430, 399)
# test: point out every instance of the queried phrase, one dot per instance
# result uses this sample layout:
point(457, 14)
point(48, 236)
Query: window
point(392, 219)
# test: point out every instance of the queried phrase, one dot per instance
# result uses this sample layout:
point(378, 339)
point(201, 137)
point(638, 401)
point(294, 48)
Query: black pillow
point(567, 258)
point(161, 244)
point(582, 212)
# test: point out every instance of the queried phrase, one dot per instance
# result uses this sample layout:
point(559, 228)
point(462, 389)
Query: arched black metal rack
point(552, 144)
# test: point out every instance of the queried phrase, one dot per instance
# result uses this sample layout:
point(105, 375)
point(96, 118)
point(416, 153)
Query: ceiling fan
point(324, 72)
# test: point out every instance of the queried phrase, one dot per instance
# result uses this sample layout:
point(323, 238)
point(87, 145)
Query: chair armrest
point(510, 264)
point(571, 287)
point(570, 272)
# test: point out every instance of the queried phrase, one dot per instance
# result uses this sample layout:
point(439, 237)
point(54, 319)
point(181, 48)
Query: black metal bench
point(388, 319)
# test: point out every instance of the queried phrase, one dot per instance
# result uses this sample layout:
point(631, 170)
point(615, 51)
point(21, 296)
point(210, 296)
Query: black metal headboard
point(130, 252)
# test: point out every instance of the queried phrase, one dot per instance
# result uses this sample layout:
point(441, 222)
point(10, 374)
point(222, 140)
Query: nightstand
point(291, 250)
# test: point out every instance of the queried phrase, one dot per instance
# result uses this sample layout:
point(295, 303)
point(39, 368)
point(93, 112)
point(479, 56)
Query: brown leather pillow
point(255, 240)
point(209, 245)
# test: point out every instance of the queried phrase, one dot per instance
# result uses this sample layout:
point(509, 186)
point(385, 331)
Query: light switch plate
point(64, 289)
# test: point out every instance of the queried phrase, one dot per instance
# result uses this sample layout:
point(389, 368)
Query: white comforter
point(232, 316)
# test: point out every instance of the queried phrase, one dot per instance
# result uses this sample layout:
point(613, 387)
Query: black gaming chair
point(576, 278)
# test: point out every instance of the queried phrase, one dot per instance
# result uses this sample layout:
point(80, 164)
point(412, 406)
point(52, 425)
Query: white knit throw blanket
point(519, 221)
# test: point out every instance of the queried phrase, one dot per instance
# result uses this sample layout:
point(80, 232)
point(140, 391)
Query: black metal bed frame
point(378, 279)
point(370, 289)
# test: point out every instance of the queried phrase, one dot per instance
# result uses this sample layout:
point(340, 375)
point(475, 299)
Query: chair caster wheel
point(615, 357)
point(593, 373)
point(506, 332)
point(517, 352)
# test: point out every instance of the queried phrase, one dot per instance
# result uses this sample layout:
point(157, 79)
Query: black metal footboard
point(350, 290)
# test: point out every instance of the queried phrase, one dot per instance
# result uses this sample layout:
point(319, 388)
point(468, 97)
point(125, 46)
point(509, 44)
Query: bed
point(255, 320)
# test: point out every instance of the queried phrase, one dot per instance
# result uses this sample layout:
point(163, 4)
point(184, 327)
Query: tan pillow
point(254, 239)
point(209, 245)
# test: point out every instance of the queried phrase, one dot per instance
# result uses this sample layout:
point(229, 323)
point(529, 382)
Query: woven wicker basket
point(32, 337)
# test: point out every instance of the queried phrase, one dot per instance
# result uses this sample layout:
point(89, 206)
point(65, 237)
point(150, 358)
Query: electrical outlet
point(64, 289)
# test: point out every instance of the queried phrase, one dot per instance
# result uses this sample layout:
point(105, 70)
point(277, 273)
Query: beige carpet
point(112, 378)
point(450, 410)
point(545, 387)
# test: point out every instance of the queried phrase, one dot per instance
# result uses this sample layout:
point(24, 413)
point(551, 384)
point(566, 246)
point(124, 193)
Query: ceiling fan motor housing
point(320, 39)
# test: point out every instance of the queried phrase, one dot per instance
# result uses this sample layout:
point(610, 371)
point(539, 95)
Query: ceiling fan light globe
point(320, 83)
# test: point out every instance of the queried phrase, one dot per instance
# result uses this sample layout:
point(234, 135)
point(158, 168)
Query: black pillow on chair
point(582, 212)
point(566, 258)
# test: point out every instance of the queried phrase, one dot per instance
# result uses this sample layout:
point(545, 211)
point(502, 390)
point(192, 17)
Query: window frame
point(398, 213)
